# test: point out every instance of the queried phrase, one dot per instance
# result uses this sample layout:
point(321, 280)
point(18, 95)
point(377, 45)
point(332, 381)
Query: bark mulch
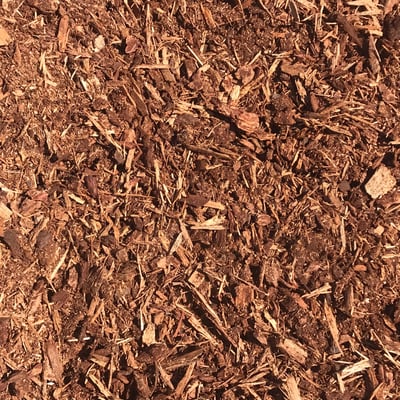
point(199, 199)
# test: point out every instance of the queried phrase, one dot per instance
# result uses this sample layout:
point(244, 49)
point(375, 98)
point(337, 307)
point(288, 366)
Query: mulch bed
point(198, 199)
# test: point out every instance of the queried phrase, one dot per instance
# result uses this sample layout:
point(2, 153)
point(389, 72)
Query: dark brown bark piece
point(391, 27)
point(196, 200)
point(11, 239)
point(43, 239)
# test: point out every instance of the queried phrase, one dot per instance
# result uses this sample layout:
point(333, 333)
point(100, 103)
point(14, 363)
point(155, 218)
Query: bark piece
point(53, 366)
point(11, 239)
point(244, 120)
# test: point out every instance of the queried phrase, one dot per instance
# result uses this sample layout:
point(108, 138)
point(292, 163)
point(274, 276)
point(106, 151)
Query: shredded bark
point(199, 199)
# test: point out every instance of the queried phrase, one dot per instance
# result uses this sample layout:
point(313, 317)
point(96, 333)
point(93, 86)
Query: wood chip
point(5, 212)
point(99, 43)
point(149, 334)
point(381, 182)
point(294, 350)
point(5, 38)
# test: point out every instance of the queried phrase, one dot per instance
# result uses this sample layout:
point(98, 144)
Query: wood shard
point(291, 388)
point(331, 320)
point(63, 31)
point(208, 16)
point(349, 28)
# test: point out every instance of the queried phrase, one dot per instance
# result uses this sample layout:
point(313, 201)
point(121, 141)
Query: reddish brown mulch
point(198, 199)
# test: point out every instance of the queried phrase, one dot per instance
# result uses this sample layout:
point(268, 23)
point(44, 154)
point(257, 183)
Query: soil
point(199, 199)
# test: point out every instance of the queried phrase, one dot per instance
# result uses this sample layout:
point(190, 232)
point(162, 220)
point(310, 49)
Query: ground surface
point(198, 199)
